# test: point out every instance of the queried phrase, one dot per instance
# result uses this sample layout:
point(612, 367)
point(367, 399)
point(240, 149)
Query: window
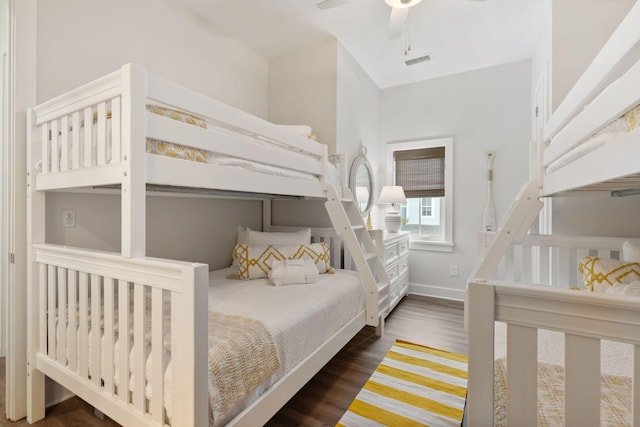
point(424, 169)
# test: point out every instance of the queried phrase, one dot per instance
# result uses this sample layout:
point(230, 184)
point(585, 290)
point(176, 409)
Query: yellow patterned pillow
point(254, 262)
point(317, 252)
point(600, 273)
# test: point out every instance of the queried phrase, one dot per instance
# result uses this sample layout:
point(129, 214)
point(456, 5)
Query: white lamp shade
point(392, 194)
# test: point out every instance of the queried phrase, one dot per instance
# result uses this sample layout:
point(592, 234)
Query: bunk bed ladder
point(348, 223)
point(514, 227)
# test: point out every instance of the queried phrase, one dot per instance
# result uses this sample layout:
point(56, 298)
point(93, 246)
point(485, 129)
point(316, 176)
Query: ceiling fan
point(397, 19)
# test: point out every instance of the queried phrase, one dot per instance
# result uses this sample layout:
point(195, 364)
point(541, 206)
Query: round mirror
point(361, 182)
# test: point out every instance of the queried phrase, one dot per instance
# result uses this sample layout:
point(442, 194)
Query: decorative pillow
point(630, 251)
point(317, 252)
point(254, 262)
point(294, 238)
point(600, 273)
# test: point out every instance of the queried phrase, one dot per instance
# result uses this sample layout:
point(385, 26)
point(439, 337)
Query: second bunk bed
point(151, 341)
point(567, 350)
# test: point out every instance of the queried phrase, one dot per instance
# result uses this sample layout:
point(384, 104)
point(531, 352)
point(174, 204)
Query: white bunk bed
point(99, 135)
point(501, 291)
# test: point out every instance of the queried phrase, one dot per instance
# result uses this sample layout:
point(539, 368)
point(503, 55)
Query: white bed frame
point(61, 277)
point(501, 290)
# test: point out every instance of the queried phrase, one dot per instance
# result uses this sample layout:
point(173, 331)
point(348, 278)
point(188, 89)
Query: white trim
point(442, 292)
point(22, 74)
point(446, 243)
point(4, 170)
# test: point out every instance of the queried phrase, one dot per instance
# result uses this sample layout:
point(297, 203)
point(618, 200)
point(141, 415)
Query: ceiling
point(459, 35)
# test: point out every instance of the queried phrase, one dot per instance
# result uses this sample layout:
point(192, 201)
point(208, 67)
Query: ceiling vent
point(418, 60)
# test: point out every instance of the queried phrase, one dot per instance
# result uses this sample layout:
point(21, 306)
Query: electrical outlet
point(453, 271)
point(68, 218)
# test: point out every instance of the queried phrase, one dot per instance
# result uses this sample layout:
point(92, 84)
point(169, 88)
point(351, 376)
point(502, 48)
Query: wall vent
point(418, 60)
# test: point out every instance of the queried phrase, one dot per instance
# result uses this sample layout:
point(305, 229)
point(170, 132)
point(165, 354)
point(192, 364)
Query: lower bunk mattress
point(257, 334)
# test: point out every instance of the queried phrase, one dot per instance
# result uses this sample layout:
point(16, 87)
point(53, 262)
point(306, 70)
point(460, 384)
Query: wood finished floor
point(323, 400)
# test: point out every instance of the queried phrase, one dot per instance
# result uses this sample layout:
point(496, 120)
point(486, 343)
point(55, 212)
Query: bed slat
point(51, 299)
point(62, 317)
point(88, 151)
point(46, 152)
point(43, 304)
point(64, 143)
point(123, 339)
point(55, 161)
point(83, 327)
point(115, 130)
point(75, 140)
point(72, 277)
point(96, 369)
point(102, 134)
point(138, 370)
point(107, 349)
point(522, 351)
point(582, 381)
point(157, 351)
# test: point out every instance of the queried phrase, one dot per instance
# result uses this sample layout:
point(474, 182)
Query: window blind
point(420, 172)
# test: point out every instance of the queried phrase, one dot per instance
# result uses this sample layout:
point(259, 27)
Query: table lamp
point(392, 194)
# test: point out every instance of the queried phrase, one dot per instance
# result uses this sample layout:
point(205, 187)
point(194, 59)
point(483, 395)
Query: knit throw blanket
point(614, 406)
point(242, 355)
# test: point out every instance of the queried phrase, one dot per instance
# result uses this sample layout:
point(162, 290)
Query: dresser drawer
point(390, 253)
point(393, 272)
point(403, 265)
point(403, 247)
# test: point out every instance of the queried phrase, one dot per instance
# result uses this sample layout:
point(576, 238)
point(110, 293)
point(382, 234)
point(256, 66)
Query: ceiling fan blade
point(396, 21)
point(328, 4)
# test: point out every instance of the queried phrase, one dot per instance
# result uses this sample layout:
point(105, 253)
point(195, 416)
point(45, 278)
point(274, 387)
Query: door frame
point(22, 94)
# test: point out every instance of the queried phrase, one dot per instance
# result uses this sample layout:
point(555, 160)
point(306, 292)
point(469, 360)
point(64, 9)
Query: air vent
point(418, 60)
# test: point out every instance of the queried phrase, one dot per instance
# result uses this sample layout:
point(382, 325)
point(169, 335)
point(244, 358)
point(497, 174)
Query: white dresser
point(395, 256)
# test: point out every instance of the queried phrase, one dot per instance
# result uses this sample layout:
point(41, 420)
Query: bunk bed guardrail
point(104, 329)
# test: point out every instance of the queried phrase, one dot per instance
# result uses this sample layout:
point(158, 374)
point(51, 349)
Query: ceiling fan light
point(402, 3)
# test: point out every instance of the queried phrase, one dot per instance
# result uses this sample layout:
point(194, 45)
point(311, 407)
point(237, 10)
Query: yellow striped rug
point(414, 385)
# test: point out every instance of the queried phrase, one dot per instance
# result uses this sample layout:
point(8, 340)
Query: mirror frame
point(361, 161)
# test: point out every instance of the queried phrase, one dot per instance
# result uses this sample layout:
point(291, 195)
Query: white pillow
point(630, 251)
point(295, 238)
point(242, 235)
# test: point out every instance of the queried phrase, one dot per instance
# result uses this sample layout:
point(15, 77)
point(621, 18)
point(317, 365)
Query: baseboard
point(436, 291)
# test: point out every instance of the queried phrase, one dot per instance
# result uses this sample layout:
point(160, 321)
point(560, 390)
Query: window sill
point(430, 245)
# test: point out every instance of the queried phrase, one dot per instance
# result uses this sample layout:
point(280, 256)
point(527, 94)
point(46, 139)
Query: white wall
point(484, 110)
point(580, 29)
point(80, 40)
point(189, 229)
point(302, 90)
point(358, 111)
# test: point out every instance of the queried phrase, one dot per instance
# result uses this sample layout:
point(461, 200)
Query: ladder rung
point(370, 256)
point(382, 286)
point(357, 227)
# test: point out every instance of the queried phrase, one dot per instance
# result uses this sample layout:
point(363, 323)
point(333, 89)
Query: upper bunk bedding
point(96, 134)
point(591, 140)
